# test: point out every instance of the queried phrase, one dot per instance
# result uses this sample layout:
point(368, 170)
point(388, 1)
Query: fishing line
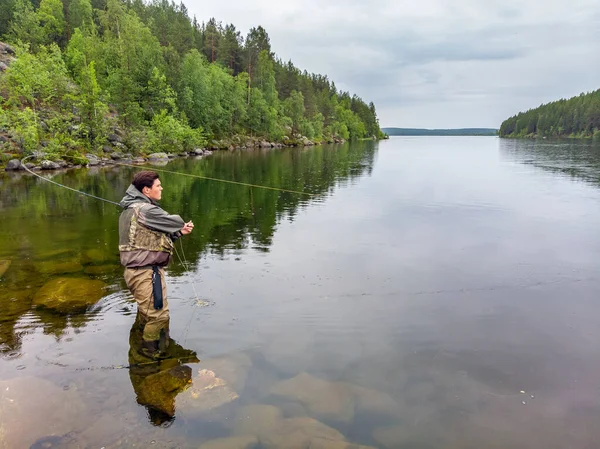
point(66, 187)
point(219, 180)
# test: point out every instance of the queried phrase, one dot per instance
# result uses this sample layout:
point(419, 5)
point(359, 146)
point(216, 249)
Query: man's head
point(148, 183)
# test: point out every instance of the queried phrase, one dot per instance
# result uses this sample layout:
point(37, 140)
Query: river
point(425, 292)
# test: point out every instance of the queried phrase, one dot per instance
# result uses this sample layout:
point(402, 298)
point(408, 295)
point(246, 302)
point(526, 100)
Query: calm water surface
point(431, 292)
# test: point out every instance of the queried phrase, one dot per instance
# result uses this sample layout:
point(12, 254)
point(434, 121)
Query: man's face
point(154, 192)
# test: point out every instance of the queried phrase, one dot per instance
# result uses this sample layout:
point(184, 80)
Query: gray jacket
point(152, 217)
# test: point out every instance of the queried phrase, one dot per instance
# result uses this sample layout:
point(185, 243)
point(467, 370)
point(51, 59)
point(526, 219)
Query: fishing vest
point(144, 238)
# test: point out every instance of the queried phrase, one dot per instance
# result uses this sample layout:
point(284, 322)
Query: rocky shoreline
point(117, 153)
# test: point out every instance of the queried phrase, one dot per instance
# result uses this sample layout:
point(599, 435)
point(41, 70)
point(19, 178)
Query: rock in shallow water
point(32, 409)
point(4, 264)
point(69, 294)
point(208, 392)
point(248, 442)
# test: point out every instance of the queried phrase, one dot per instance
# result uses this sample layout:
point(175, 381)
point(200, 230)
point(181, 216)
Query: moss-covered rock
point(158, 390)
point(69, 294)
point(52, 267)
point(100, 270)
point(4, 264)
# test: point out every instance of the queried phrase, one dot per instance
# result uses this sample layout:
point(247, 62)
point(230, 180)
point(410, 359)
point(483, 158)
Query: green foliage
point(33, 79)
point(52, 21)
point(168, 134)
point(167, 79)
point(25, 25)
point(26, 128)
point(91, 109)
point(293, 107)
point(80, 14)
point(576, 117)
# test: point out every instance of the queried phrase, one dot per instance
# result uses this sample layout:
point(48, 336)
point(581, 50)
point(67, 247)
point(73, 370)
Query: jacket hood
point(133, 195)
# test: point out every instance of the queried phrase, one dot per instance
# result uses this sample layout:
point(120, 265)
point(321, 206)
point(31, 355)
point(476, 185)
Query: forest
point(577, 117)
point(80, 71)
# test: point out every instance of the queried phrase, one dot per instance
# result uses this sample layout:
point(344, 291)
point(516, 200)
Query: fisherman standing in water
point(146, 235)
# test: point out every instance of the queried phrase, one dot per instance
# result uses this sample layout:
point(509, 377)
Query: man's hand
point(187, 228)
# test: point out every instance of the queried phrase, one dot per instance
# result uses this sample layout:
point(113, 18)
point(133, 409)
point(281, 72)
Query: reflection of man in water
point(157, 382)
point(146, 235)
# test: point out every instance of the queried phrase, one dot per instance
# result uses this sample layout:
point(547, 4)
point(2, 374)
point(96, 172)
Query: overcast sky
point(433, 63)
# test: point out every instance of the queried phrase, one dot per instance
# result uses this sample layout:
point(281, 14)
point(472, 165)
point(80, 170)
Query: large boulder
point(33, 409)
point(49, 165)
point(92, 159)
point(13, 164)
point(69, 294)
point(114, 138)
point(158, 156)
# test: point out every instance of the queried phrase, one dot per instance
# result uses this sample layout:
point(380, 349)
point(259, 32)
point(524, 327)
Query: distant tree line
point(440, 132)
point(168, 79)
point(576, 117)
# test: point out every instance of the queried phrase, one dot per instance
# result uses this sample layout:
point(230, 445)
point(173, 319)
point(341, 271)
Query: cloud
point(434, 63)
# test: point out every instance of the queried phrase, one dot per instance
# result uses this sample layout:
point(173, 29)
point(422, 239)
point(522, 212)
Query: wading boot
point(150, 349)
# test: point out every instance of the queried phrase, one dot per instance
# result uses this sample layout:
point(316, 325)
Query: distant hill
point(440, 132)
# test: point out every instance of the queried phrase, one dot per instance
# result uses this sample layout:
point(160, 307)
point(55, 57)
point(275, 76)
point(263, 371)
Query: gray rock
point(183, 154)
point(120, 146)
point(139, 160)
point(49, 165)
point(44, 126)
point(114, 138)
point(92, 160)
point(6, 49)
point(3, 67)
point(107, 149)
point(157, 156)
point(207, 152)
point(171, 156)
point(116, 156)
point(265, 144)
point(13, 164)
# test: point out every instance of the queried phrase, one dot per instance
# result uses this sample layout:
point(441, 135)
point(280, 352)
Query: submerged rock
point(232, 368)
point(329, 401)
point(98, 255)
point(54, 267)
point(68, 294)
point(298, 433)
point(256, 419)
point(33, 410)
point(4, 264)
point(98, 270)
point(158, 390)
point(207, 392)
point(329, 444)
point(247, 442)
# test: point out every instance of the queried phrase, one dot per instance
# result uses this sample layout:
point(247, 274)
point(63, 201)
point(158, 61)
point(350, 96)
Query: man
point(146, 235)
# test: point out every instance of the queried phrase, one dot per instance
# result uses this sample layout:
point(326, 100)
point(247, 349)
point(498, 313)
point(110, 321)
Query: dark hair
point(144, 179)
